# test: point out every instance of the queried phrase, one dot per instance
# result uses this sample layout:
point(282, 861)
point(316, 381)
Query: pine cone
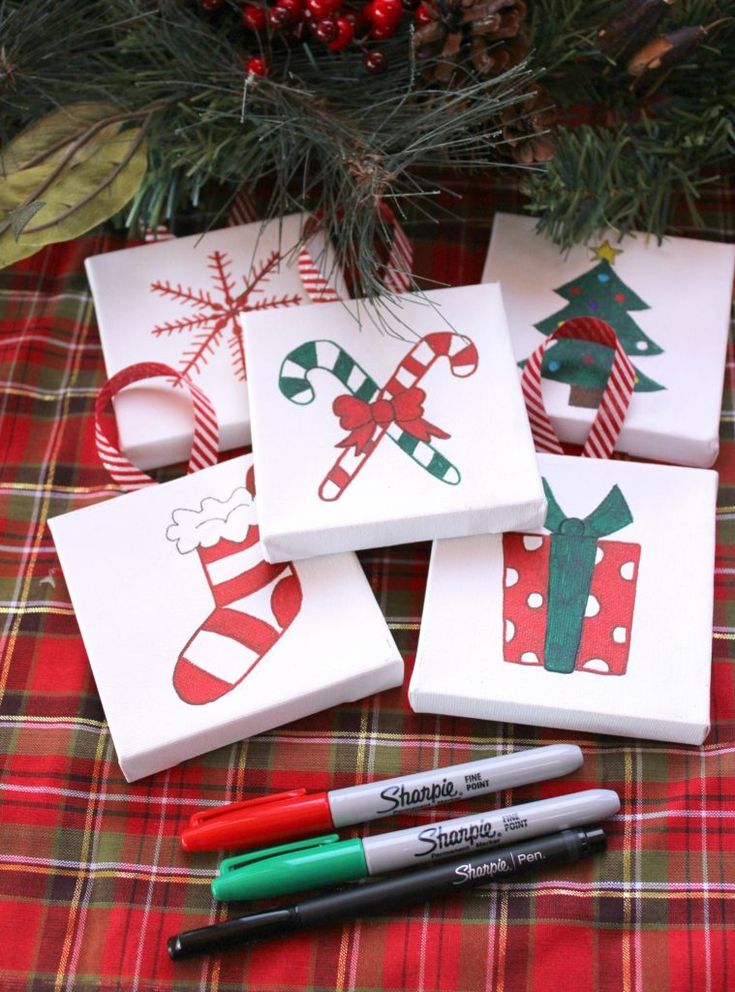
point(528, 128)
point(491, 33)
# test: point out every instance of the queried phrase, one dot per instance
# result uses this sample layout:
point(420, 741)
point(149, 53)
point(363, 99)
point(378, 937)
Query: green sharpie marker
point(325, 861)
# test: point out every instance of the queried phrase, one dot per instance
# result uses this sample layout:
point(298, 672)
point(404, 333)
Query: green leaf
point(94, 185)
point(22, 216)
point(60, 127)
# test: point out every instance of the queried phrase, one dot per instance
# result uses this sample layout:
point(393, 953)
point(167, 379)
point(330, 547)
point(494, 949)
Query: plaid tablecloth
point(93, 878)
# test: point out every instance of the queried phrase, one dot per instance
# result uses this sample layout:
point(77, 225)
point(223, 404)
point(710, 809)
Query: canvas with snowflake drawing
point(205, 642)
point(181, 302)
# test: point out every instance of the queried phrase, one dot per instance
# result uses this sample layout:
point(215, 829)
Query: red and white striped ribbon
point(318, 288)
point(608, 422)
point(160, 233)
point(399, 266)
point(242, 209)
point(205, 442)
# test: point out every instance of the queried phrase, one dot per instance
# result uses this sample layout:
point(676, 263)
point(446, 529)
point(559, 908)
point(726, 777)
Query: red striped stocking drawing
point(254, 602)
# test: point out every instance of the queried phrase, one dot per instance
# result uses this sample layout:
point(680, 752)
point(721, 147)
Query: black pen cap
point(231, 932)
point(592, 841)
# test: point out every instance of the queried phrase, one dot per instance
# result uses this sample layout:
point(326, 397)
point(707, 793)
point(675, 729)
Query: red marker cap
point(254, 822)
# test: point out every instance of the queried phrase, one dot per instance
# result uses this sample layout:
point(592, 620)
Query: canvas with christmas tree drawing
point(669, 304)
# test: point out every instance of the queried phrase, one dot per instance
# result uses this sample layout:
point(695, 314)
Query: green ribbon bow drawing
point(571, 564)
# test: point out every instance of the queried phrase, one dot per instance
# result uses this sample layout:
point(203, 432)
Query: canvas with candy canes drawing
point(388, 423)
point(598, 621)
point(182, 302)
point(194, 639)
point(669, 304)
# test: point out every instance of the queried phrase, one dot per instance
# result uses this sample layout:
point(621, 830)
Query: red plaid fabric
point(92, 877)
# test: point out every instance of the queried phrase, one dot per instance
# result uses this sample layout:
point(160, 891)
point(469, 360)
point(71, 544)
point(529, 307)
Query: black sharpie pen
point(462, 873)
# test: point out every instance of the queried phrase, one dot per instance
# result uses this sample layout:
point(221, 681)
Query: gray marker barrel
point(421, 845)
point(452, 783)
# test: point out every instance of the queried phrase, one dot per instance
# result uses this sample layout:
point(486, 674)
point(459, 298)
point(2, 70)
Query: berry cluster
point(336, 24)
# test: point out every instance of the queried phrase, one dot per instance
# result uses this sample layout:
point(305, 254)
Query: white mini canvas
point(181, 302)
point(601, 621)
point(194, 640)
point(368, 434)
point(669, 305)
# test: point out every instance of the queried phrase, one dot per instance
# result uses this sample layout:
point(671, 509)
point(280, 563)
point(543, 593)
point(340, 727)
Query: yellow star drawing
point(605, 252)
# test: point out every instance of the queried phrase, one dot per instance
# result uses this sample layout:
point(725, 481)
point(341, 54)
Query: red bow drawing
point(360, 418)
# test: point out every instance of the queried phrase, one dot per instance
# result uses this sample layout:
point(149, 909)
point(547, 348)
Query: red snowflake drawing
point(214, 319)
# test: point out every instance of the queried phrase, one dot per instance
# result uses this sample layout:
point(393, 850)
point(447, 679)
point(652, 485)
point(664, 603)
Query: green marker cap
point(307, 864)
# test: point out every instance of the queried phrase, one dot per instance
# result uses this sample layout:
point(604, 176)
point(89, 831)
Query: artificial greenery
point(323, 136)
point(647, 144)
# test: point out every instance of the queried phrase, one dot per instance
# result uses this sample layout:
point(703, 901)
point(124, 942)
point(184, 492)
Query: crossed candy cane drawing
point(370, 412)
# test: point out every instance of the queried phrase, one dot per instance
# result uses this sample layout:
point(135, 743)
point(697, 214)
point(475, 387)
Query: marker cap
point(282, 816)
point(307, 864)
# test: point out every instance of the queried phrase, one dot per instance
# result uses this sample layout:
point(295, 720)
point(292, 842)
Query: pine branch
point(624, 180)
point(331, 141)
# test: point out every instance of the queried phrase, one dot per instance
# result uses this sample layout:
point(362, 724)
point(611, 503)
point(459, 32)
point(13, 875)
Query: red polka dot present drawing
point(569, 598)
point(653, 295)
point(601, 619)
point(196, 641)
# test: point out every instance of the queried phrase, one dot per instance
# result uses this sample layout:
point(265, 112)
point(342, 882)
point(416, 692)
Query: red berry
point(323, 8)
point(294, 7)
point(279, 17)
point(386, 12)
point(352, 17)
point(345, 34)
point(375, 62)
point(256, 66)
point(325, 30)
point(253, 17)
point(382, 31)
point(423, 15)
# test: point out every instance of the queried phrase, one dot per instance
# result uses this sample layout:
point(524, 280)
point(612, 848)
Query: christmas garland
point(609, 113)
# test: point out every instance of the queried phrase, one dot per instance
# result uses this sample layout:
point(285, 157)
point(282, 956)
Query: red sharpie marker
point(291, 815)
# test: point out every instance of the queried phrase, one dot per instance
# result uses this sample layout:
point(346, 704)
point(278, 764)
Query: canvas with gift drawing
point(599, 621)
point(669, 304)
point(382, 426)
point(182, 302)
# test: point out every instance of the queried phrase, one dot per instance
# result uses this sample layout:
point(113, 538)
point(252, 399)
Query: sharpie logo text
point(499, 866)
point(399, 797)
point(448, 838)
point(466, 873)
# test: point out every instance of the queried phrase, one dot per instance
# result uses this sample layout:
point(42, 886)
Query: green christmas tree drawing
point(586, 366)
